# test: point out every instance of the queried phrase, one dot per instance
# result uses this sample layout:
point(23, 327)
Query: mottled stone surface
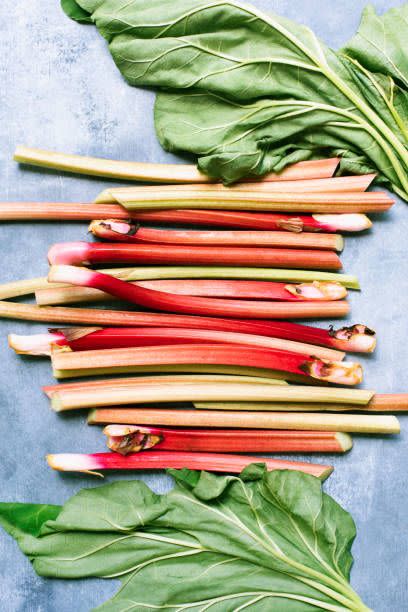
point(60, 89)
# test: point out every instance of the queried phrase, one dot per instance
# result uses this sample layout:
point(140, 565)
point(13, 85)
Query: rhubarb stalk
point(128, 231)
point(27, 286)
point(342, 184)
point(356, 222)
point(148, 392)
point(391, 402)
point(78, 211)
point(86, 339)
point(208, 197)
point(322, 291)
point(346, 373)
point(125, 439)
point(361, 340)
point(193, 305)
point(349, 423)
point(54, 294)
point(260, 290)
point(160, 173)
point(84, 253)
point(49, 390)
point(158, 460)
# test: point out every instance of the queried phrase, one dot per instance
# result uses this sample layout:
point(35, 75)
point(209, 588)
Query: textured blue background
point(60, 89)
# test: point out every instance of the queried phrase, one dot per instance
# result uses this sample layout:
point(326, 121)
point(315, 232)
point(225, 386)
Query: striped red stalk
point(130, 232)
point(345, 373)
point(125, 439)
point(158, 460)
point(91, 338)
point(159, 300)
point(74, 211)
point(84, 253)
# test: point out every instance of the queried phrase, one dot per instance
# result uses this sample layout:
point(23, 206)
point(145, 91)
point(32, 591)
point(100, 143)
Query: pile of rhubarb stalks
point(212, 366)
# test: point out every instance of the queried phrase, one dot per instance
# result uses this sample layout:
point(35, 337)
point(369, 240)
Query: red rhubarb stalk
point(322, 291)
point(84, 253)
point(125, 439)
point(158, 460)
point(74, 211)
point(159, 300)
point(345, 373)
point(128, 231)
point(358, 338)
point(351, 222)
point(88, 339)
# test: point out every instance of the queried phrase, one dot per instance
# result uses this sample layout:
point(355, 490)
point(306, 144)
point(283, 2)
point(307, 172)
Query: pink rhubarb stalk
point(84, 253)
point(88, 339)
point(345, 373)
point(356, 338)
point(158, 460)
point(78, 211)
point(343, 184)
point(159, 300)
point(348, 222)
point(128, 231)
point(125, 439)
point(322, 291)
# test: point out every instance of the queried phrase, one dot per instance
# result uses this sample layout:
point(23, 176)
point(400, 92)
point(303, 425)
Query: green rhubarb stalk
point(84, 396)
point(194, 368)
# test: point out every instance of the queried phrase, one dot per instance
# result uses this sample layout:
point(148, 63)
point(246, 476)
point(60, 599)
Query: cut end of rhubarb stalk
point(356, 338)
point(345, 441)
point(70, 274)
point(117, 226)
point(326, 473)
point(74, 253)
point(318, 290)
point(353, 222)
point(125, 439)
point(104, 197)
point(70, 462)
point(37, 344)
point(334, 371)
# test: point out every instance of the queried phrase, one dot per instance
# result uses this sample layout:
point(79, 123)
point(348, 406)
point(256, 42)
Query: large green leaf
point(248, 92)
point(73, 10)
point(260, 541)
point(381, 43)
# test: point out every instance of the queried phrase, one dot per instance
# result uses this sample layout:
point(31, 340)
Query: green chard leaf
point(380, 44)
point(73, 10)
point(249, 92)
point(260, 541)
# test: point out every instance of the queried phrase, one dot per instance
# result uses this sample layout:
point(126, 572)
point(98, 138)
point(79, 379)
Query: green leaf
point(75, 12)
point(272, 541)
point(21, 519)
point(380, 44)
point(245, 91)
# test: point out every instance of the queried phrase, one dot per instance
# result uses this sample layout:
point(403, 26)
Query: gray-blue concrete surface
point(59, 89)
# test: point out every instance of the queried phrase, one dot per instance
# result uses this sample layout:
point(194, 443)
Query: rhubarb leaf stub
point(273, 539)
